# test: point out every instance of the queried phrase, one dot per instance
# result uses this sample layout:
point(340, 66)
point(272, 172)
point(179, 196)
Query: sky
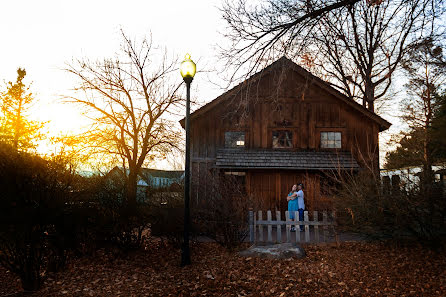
point(43, 36)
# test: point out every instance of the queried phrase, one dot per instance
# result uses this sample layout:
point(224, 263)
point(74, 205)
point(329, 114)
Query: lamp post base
point(185, 255)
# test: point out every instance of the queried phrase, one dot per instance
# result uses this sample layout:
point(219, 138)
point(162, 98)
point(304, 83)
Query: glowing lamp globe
point(188, 68)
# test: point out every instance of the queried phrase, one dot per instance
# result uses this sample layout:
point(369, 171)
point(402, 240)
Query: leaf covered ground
point(353, 268)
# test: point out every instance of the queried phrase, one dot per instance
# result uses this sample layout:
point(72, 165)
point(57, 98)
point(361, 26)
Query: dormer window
point(234, 139)
point(331, 140)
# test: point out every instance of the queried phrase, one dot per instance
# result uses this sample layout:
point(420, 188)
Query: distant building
point(161, 178)
point(411, 174)
point(147, 179)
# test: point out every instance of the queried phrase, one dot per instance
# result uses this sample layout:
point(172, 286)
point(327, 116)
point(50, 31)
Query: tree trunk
point(30, 274)
point(17, 125)
point(369, 95)
point(131, 187)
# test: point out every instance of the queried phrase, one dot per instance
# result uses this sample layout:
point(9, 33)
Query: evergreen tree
point(425, 67)
point(439, 126)
point(15, 128)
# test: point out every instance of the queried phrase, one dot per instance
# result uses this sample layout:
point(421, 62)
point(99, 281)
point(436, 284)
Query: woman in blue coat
point(293, 205)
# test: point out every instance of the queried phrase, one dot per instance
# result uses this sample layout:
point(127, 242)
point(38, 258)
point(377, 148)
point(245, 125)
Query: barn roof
point(383, 124)
point(267, 159)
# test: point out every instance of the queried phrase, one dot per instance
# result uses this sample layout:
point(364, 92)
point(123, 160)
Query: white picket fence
point(321, 229)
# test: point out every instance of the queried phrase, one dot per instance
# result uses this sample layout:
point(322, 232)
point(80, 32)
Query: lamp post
point(187, 70)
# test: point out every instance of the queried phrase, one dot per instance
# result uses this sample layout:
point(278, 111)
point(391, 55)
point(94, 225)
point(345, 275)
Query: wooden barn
point(282, 126)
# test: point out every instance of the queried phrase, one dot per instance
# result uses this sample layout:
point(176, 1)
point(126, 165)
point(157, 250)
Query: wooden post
point(316, 227)
point(287, 227)
point(255, 227)
point(279, 229)
point(260, 227)
point(307, 227)
point(251, 225)
point(270, 228)
point(333, 214)
point(325, 227)
point(297, 227)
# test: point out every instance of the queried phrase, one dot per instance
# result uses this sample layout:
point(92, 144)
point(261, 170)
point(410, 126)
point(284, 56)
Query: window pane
point(331, 139)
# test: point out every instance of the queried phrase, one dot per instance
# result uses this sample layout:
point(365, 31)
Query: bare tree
point(128, 98)
point(257, 33)
point(357, 45)
point(365, 44)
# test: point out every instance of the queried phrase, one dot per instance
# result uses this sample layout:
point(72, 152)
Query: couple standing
point(296, 203)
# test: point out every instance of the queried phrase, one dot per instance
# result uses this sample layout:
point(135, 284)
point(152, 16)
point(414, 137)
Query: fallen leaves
point(351, 269)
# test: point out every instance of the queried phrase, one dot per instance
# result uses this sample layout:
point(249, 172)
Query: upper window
point(234, 139)
point(331, 140)
point(282, 139)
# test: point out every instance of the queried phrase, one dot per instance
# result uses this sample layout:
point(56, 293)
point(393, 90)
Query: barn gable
point(267, 78)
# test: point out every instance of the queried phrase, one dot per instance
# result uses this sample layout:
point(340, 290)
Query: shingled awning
point(267, 159)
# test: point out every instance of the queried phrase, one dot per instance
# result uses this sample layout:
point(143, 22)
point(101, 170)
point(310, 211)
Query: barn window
point(234, 139)
point(282, 139)
point(331, 140)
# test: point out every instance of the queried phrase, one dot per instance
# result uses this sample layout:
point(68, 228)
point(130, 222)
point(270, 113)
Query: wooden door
point(263, 189)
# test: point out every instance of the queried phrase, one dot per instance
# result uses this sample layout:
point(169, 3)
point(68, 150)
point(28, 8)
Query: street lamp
point(187, 70)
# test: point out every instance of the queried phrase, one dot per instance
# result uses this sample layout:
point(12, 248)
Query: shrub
point(32, 193)
point(414, 210)
point(47, 211)
point(167, 215)
point(223, 212)
point(99, 218)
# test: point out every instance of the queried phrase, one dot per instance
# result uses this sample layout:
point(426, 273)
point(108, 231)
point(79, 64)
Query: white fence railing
point(320, 228)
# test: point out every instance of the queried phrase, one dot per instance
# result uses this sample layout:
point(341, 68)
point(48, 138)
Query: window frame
point(293, 138)
point(334, 140)
point(236, 146)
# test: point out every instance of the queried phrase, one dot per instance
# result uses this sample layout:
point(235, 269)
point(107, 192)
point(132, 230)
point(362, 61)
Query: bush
point(46, 211)
point(99, 218)
point(167, 215)
point(223, 212)
point(31, 197)
point(415, 210)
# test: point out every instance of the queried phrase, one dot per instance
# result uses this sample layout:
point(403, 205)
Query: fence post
point(279, 229)
point(333, 214)
point(395, 184)
point(287, 227)
point(251, 225)
point(260, 227)
point(297, 227)
point(270, 227)
point(307, 227)
point(316, 227)
point(325, 227)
